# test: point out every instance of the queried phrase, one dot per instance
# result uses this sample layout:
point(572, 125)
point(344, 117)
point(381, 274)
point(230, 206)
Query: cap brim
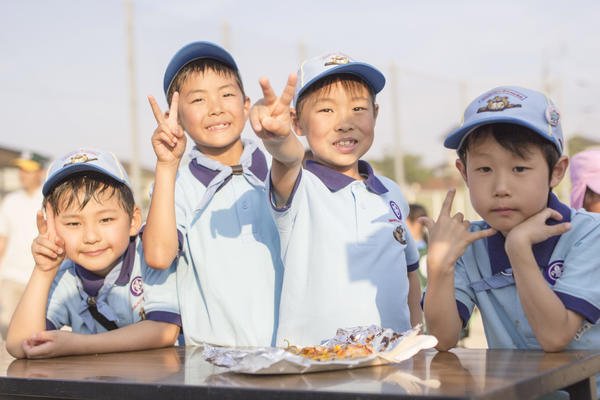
point(27, 165)
point(456, 138)
point(372, 76)
point(65, 172)
point(195, 51)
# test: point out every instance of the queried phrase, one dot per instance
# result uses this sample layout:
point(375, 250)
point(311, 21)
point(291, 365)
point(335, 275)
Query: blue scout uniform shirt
point(130, 292)
point(347, 251)
point(569, 262)
point(229, 273)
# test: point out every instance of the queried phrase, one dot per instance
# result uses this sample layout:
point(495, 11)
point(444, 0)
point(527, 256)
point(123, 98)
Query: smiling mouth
point(345, 145)
point(94, 253)
point(218, 127)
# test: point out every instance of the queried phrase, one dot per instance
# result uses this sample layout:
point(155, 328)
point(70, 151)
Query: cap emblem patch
point(552, 115)
point(79, 158)
point(337, 60)
point(498, 103)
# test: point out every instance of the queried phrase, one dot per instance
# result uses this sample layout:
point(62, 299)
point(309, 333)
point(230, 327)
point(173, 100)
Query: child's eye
point(483, 169)
point(327, 110)
point(107, 219)
point(72, 224)
point(199, 99)
point(520, 169)
point(358, 109)
point(228, 95)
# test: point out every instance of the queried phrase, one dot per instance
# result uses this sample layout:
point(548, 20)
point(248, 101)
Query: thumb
point(426, 222)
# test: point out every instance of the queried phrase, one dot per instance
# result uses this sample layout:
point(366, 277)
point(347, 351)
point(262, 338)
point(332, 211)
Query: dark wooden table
point(182, 374)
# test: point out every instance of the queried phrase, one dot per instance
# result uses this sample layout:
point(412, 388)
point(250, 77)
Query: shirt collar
point(92, 283)
point(335, 180)
point(205, 175)
point(542, 251)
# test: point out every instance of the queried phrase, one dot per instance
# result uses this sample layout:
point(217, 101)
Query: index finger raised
point(288, 92)
point(174, 106)
point(158, 114)
point(41, 223)
point(268, 93)
point(447, 204)
point(50, 220)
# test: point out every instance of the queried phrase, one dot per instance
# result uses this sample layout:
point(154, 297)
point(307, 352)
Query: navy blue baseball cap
point(511, 105)
point(195, 51)
point(318, 68)
point(81, 160)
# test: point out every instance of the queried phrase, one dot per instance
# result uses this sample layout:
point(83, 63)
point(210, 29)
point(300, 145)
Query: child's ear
point(376, 111)
point(462, 169)
point(136, 221)
point(295, 122)
point(247, 107)
point(559, 170)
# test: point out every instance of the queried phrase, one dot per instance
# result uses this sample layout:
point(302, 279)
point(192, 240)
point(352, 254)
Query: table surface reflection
point(180, 372)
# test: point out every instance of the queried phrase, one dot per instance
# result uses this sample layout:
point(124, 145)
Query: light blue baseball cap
point(512, 105)
point(192, 52)
point(317, 68)
point(82, 160)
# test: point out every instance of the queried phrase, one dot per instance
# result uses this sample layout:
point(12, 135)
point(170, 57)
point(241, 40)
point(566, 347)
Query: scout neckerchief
point(214, 175)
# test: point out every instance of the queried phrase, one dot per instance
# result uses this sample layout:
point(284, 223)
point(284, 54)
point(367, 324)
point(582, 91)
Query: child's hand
point(46, 344)
point(535, 230)
point(47, 248)
point(270, 116)
point(449, 237)
point(169, 138)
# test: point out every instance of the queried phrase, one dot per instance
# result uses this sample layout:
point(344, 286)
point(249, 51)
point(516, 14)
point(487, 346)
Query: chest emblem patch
point(396, 210)
point(399, 234)
point(136, 287)
point(554, 271)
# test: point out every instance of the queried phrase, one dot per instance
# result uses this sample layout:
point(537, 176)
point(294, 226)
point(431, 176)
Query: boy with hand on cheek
point(348, 255)
point(89, 269)
point(212, 213)
point(531, 266)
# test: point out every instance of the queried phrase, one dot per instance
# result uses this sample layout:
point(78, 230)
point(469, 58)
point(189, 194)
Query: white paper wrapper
point(389, 347)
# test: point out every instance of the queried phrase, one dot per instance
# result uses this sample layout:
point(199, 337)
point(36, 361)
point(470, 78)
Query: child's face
point(213, 111)
point(591, 201)
point(339, 125)
point(98, 235)
point(506, 189)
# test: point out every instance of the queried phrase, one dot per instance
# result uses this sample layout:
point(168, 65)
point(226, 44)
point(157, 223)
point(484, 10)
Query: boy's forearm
point(160, 234)
point(287, 161)
point(30, 315)
point(139, 336)
point(552, 323)
point(441, 314)
point(414, 299)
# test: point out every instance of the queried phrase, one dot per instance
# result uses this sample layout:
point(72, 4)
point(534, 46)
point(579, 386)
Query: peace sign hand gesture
point(169, 138)
point(449, 237)
point(47, 248)
point(270, 116)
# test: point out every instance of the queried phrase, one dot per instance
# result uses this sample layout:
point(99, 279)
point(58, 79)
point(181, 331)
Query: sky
point(64, 72)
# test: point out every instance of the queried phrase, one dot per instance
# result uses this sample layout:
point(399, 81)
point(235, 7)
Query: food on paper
point(350, 348)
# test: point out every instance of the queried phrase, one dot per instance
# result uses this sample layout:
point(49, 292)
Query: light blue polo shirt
point(130, 292)
point(229, 273)
point(570, 263)
point(347, 252)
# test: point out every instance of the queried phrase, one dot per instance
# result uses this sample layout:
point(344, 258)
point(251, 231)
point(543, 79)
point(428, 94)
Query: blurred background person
point(585, 180)
point(17, 231)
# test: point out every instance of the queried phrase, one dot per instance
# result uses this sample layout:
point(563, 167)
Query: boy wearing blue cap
point(348, 254)
point(531, 266)
point(89, 270)
point(212, 212)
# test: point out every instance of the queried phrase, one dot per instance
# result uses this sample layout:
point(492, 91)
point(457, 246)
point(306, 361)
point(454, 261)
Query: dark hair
point(93, 185)
point(349, 82)
point(416, 211)
point(200, 66)
point(513, 138)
